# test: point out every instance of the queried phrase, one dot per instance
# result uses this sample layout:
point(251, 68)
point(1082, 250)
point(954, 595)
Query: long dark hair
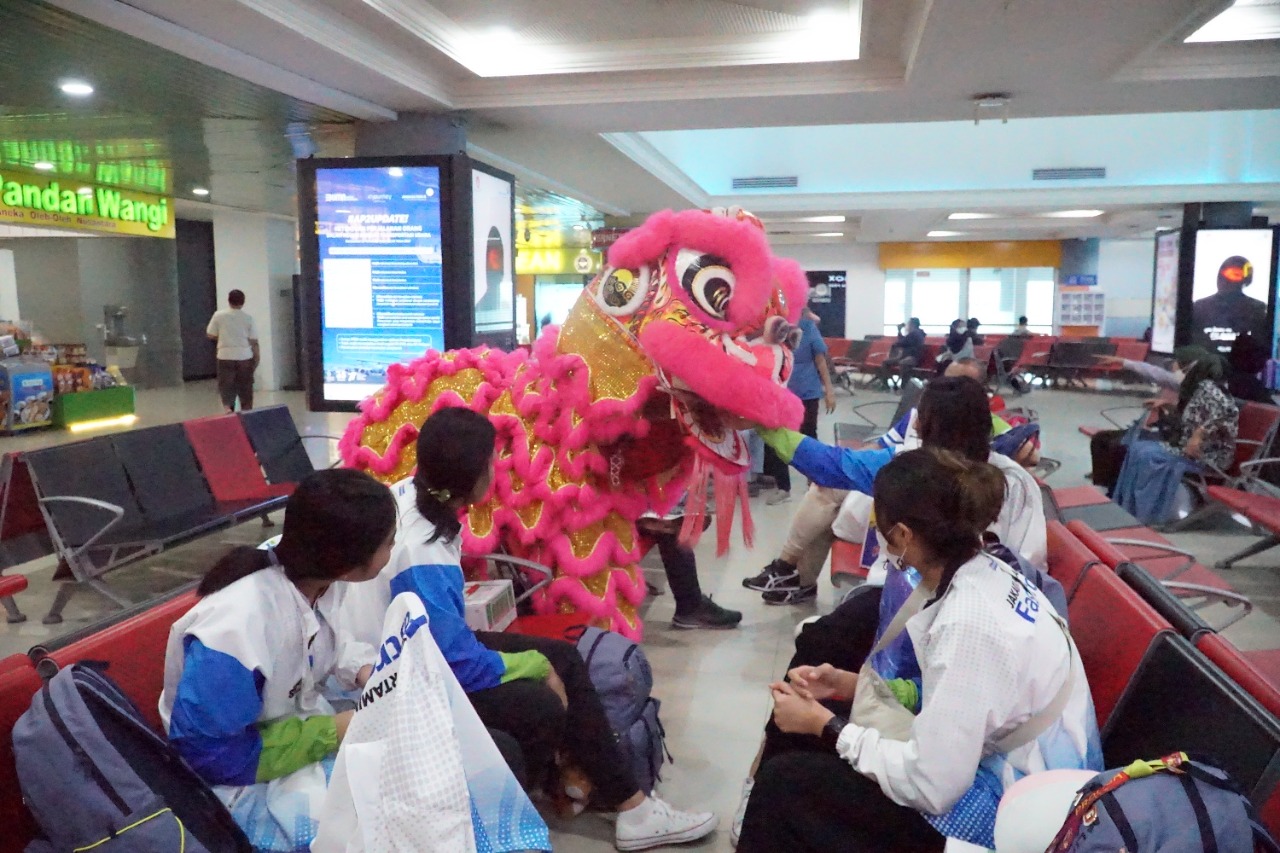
point(946, 500)
point(954, 414)
point(1200, 364)
point(334, 522)
point(454, 449)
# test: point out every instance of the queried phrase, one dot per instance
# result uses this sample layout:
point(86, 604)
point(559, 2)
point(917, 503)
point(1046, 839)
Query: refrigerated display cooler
point(26, 394)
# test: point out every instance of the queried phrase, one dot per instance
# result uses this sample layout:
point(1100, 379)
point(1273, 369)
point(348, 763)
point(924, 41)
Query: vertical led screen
point(1164, 301)
point(1231, 286)
point(493, 211)
point(380, 257)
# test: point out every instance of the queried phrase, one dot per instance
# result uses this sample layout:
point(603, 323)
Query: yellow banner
point(46, 201)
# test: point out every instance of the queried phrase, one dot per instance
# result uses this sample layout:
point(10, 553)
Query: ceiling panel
point(156, 122)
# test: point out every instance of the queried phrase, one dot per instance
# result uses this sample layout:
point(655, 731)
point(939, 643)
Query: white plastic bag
point(417, 770)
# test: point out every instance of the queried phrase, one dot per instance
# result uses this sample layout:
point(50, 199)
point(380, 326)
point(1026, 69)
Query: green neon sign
point(125, 212)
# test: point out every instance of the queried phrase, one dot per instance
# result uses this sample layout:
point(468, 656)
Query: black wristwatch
point(831, 731)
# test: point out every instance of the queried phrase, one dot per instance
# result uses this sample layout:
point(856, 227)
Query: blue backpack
point(621, 675)
point(1174, 805)
point(97, 777)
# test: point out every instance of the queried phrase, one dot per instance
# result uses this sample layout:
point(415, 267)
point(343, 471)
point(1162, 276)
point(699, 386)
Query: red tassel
point(729, 490)
point(695, 508)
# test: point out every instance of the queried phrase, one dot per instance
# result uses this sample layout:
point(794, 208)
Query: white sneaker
point(658, 824)
point(777, 496)
point(736, 829)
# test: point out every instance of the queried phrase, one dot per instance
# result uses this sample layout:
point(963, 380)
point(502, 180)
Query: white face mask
point(897, 561)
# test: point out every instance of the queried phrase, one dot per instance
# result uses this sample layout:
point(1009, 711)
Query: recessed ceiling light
point(972, 216)
point(829, 234)
point(43, 166)
point(76, 88)
point(1074, 214)
point(85, 191)
point(835, 218)
point(1243, 20)
point(945, 233)
point(201, 191)
point(395, 172)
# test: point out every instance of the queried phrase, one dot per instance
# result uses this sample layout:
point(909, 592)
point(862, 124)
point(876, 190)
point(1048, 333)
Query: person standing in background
point(238, 352)
point(811, 382)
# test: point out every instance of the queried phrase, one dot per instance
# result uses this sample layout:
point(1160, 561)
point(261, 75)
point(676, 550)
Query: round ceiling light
point(76, 88)
point(1074, 214)
point(200, 191)
point(43, 166)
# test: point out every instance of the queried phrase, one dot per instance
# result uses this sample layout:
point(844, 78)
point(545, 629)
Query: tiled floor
point(713, 685)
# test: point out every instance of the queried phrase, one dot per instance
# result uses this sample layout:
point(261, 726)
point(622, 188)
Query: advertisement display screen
point(492, 205)
point(1231, 286)
point(380, 257)
point(1164, 302)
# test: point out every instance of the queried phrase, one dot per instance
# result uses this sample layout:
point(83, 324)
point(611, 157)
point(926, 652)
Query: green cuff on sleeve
point(293, 743)
point(531, 665)
point(783, 441)
point(906, 692)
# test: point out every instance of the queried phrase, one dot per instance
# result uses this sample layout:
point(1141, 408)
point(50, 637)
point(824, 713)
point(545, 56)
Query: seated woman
point(536, 689)
point(244, 669)
point(1002, 692)
point(959, 344)
point(958, 418)
point(1200, 429)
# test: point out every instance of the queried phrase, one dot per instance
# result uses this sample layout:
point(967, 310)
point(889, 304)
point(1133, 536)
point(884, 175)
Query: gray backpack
point(621, 675)
point(96, 776)
point(1174, 805)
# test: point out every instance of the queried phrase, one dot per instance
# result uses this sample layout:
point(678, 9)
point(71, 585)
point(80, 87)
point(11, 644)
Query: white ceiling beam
point(169, 36)
point(341, 36)
point(649, 158)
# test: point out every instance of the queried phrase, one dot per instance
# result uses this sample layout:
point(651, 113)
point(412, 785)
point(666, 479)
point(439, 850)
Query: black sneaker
point(797, 595)
point(708, 615)
point(776, 574)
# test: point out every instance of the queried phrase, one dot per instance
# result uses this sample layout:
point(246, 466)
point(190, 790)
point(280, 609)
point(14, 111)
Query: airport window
point(997, 297)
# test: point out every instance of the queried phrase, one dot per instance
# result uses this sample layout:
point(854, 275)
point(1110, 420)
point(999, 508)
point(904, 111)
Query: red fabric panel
point(845, 560)
point(18, 683)
point(1078, 496)
point(134, 652)
point(228, 461)
point(1068, 556)
point(1096, 544)
point(1112, 627)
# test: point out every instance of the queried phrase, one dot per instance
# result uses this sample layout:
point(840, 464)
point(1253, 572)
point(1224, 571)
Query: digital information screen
point(1231, 286)
point(1164, 302)
point(495, 287)
point(381, 273)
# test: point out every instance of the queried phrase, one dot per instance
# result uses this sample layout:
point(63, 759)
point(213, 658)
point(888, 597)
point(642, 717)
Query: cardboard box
point(491, 605)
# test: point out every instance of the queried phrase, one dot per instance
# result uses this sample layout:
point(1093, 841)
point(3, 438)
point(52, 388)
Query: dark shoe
point(708, 615)
point(774, 575)
point(798, 595)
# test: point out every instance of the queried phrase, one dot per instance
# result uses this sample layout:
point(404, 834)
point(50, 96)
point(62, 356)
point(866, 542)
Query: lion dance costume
point(686, 334)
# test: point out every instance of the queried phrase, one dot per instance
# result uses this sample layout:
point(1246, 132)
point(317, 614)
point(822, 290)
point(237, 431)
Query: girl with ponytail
point(1002, 693)
point(535, 689)
point(244, 668)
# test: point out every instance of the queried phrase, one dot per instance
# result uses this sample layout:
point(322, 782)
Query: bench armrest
point(855, 410)
point(1160, 546)
point(1223, 596)
point(536, 568)
point(116, 511)
point(1106, 413)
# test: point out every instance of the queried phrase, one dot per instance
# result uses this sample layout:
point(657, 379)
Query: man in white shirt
point(238, 352)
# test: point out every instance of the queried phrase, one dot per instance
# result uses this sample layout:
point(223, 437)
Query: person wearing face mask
point(1002, 692)
point(959, 344)
point(537, 690)
point(1214, 414)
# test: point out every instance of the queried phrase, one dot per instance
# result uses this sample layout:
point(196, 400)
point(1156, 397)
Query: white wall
point(257, 254)
point(1125, 272)
point(864, 294)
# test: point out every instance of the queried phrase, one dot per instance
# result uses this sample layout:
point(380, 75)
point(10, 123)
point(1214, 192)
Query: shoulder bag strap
point(913, 605)
point(1039, 723)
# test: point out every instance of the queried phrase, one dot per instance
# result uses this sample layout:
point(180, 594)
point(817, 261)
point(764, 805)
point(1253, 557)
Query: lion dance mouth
point(684, 338)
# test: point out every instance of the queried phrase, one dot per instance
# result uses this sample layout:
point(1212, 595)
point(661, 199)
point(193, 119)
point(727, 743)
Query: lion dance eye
point(707, 279)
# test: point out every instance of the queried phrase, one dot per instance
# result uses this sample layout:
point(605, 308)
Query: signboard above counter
point(47, 201)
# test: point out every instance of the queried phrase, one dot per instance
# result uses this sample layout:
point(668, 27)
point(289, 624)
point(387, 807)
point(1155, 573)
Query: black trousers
point(809, 802)
point(235, 379)
point(532, 714)
point(511, 752)
point(1108, 455)
point(773, 465)
point(681, 567)
point(902, 365)
point(842, 638)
